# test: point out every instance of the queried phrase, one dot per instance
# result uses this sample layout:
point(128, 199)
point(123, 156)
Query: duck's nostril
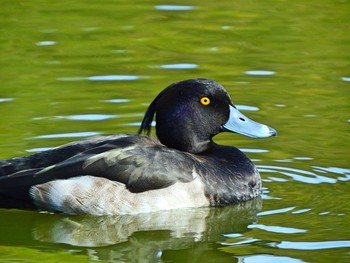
point(242, 119)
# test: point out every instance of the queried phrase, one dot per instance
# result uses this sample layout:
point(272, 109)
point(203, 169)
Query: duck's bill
point(239, 123)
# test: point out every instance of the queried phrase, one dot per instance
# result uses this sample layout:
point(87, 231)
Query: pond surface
point(75, 69)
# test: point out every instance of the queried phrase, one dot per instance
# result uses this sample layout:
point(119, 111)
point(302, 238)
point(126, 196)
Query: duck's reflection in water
point(193, 233)
point(192, 225)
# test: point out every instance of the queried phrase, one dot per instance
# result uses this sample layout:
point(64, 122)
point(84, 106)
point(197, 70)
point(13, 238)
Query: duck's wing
point(26, 178)
point(141, 166)
point(55, 155)
point(17, 175)
point(138, 162)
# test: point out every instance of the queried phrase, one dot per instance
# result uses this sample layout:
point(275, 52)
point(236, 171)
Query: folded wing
point(138, 162)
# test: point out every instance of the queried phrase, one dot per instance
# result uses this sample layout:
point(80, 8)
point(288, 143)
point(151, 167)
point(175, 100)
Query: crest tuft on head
point(146, 124)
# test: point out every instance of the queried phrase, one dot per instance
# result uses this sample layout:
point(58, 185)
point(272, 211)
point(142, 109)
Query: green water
point(71, 69)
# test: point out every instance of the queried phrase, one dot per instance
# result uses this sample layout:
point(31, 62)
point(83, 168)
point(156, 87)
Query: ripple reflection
point(66, 135)
point(174, 7)
point(89, 117)
point(259, 72)
point(179, 66)
point(247, 108)
point(46, 43)
point(311, 245)
point(103, 78)
point(297, 174)
point(278, 229)
point(267, 258)
point(6, 99)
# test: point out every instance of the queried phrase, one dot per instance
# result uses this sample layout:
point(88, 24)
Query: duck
point(182, 167)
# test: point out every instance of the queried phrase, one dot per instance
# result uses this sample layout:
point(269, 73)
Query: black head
point(189, 113)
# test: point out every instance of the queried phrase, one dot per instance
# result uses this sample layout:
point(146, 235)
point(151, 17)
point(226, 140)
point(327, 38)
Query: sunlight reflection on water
point(6, 99)
point(267, 259)
point(174, 7)
point(247, 150)
point(277, 229)
point(260, 72)
point(311, 245)
point(88, 117)
point(179, 66)
point(299, 175)
point(137, 124)
point(67, 135)
point(117, 100)
point(36, 150)
point(103, 78)
point(46, 43)
point(247, 108)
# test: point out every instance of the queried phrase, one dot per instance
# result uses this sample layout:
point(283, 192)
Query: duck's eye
point(204, 101)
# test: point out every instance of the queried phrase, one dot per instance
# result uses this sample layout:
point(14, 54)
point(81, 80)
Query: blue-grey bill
point(239, 123)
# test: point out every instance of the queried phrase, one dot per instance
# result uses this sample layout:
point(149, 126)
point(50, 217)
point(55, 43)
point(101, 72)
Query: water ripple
point(46, 43)
point(260, 72)
point(117, 100)
point(278, 229)
point(88, 117)
point(303, 158)
point(36, 150)
point(103, 78)
point(174, 7)
point(335, 170)
point(310, 245)
point(137, 124)
point(300, 211)
point(276, 211)
point(179, 66)
point(113, 77)
point(280, 105)
point(250, 150)
point(6, 99)
point(297, 174)
point(245, 241)
point(247, 108)
point(67, 135)
point(262, 258)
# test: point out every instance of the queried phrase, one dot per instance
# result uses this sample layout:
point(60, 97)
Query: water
point(76, 69)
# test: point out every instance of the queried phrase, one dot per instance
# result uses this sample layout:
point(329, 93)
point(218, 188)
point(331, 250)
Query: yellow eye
point(205, 101)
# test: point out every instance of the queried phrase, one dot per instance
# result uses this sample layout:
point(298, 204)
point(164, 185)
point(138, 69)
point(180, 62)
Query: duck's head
point(190, 112)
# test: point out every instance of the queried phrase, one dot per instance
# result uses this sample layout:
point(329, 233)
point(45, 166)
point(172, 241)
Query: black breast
point(229, 176)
